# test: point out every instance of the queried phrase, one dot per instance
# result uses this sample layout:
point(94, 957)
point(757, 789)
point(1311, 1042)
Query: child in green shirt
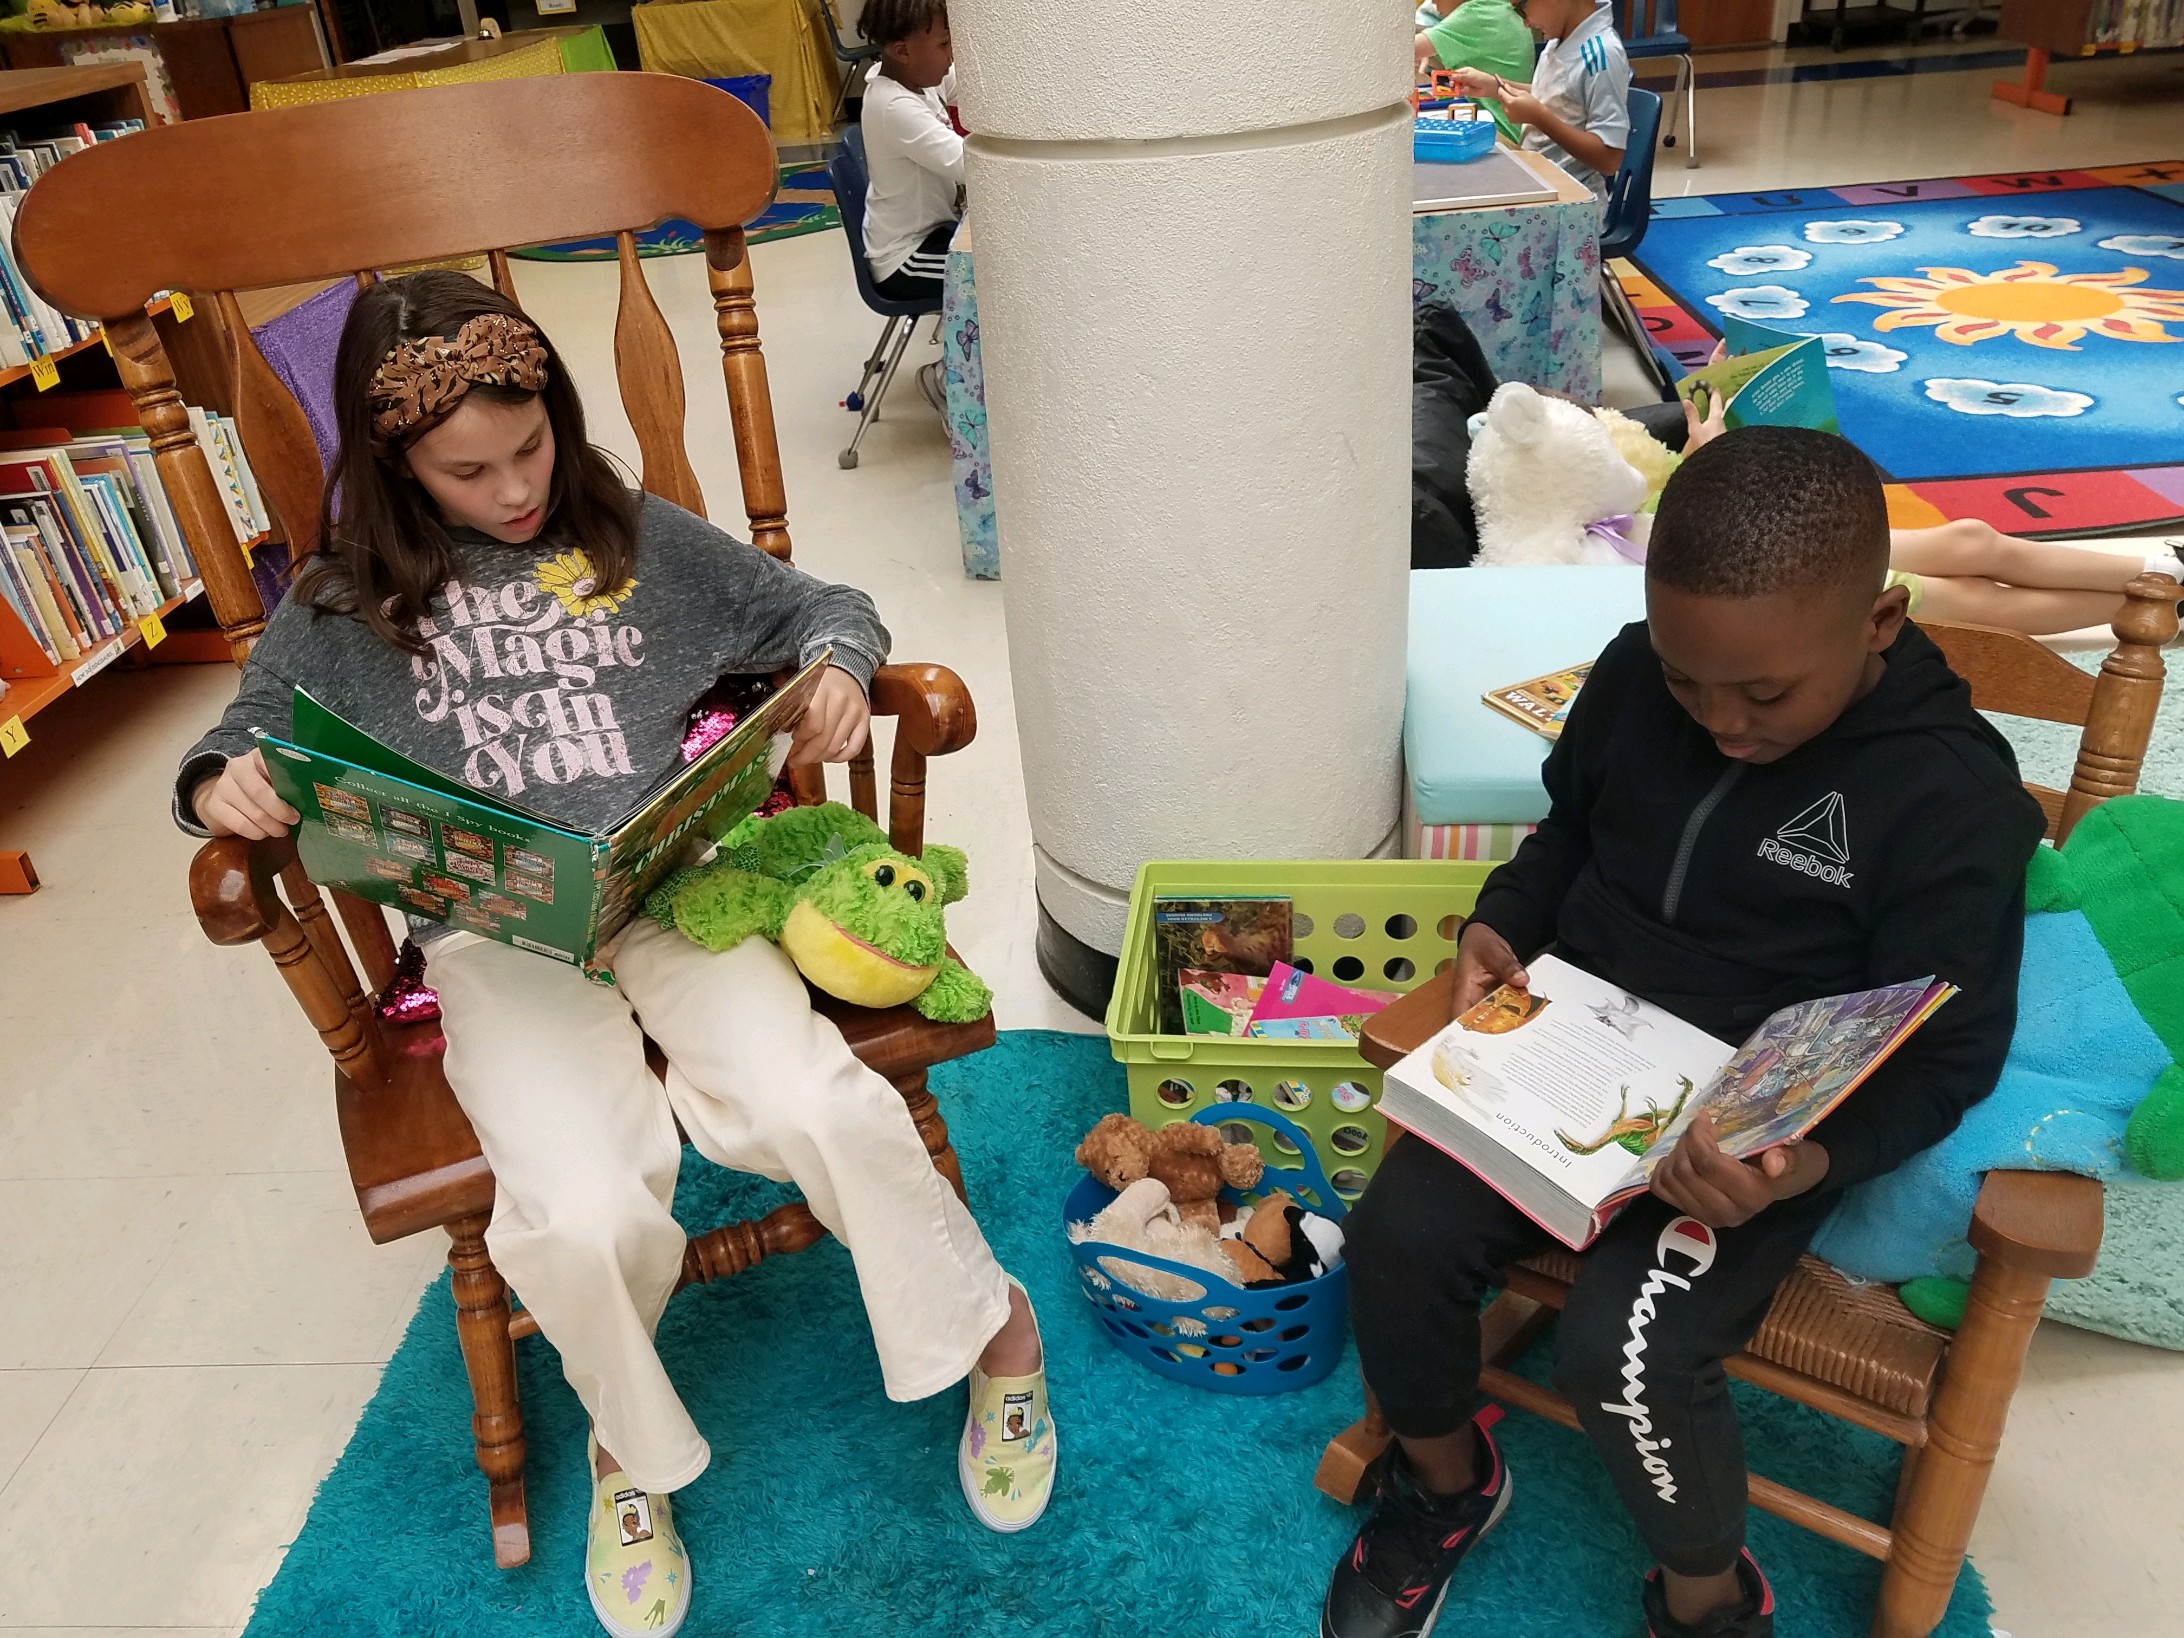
point(1487, 35)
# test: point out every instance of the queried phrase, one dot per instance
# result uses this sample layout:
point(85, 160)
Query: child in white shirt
point(912, 151)
point(1577, 109)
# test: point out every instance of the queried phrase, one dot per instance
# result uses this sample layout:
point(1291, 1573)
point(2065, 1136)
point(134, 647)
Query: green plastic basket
point(1379, 923)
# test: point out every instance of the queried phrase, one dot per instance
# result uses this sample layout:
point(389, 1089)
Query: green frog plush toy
point(860, 920)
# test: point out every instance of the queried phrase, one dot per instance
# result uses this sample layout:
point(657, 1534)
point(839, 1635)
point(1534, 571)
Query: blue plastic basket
point(752, 90)
point(1451, 141)
point(1233, 1338)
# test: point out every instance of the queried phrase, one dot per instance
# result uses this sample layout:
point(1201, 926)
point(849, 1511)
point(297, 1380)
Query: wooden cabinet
point(1714, 24)
point(211, 61)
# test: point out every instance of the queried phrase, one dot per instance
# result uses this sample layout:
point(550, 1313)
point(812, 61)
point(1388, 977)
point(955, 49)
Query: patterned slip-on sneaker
point(635, 1568)
point(1006, 1457)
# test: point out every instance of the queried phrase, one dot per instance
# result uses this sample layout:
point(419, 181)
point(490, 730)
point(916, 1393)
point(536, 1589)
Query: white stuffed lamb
point(1550, 486)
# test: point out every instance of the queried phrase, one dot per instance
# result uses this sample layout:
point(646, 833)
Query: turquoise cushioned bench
point(1472, 630)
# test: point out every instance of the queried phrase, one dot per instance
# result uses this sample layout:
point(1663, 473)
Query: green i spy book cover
point(394, 832)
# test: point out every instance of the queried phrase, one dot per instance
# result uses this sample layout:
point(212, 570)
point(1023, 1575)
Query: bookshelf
point(73, 390)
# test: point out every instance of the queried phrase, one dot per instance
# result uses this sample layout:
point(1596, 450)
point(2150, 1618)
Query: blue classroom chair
point(1649, 29)
point(851, 180)
point(1623, 228)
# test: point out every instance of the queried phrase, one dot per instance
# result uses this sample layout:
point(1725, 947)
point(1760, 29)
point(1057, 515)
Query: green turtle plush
point(860, 920)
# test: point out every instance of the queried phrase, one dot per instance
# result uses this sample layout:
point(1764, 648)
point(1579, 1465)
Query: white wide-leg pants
point(550, 1068)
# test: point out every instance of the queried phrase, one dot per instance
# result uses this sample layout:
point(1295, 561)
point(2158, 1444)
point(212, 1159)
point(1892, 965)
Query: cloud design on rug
point(2147, 244)
point(1761, 301)
point(2023, 227)
point(1746, 260)
point(2019, 400)
point(1851, 230)
point(1848, 352)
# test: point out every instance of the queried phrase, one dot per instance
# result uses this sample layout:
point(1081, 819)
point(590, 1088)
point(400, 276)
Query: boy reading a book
point(1773, 790)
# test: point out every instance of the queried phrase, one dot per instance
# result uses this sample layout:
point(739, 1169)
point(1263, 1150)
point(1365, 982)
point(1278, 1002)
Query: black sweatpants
point(1662, 1301)
point(922, 276)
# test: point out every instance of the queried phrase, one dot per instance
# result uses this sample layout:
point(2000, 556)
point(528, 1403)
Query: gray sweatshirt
point(534, 688)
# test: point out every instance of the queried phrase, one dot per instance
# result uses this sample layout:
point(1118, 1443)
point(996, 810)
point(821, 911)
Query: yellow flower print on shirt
point(575, 585)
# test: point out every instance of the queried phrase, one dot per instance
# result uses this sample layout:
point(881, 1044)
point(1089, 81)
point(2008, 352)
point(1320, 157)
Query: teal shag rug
point(830, 1512)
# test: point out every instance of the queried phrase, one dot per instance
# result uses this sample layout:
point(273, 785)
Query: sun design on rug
point(2031, 301)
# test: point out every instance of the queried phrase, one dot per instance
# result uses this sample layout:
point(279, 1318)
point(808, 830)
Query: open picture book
point(392, 831)
point(1564, 1096)
point(1770, 378)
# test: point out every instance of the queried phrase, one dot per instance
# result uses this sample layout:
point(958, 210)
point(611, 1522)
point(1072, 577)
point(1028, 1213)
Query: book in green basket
point(394, 832)
point(1566, 1094)
point(1238, 933)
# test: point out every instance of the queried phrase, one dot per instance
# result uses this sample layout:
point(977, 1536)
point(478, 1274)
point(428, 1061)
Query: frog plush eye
point(884, 875)
point(916, 890)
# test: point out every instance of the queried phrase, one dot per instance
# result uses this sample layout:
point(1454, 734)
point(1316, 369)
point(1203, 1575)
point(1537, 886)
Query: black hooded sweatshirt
point(1890, 846)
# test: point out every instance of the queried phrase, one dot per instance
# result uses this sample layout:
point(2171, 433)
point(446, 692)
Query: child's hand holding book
point(239, 800)
point(835, 725)
point(1484, 963)
point(1700, 1181)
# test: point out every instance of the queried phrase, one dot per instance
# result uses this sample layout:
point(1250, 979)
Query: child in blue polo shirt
point(1576, 110)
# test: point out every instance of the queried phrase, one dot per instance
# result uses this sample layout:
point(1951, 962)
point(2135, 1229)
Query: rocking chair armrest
point(1401, 1028)
point(2045, 1223)
point(933, 706)
point(232, 886)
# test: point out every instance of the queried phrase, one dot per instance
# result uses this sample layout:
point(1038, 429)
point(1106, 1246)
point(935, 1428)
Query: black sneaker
point(1391, 1582)
point(1751, 1618)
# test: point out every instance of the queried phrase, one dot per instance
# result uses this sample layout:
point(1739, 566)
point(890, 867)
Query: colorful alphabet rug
point(804, 203)
point(2009, 348)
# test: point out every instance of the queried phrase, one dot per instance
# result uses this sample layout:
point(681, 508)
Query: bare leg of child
point(2036, 612)
point(1014, 1350)
point(1974, 550)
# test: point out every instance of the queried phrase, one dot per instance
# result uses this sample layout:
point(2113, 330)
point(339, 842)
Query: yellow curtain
point(719, 39)
point(533, 61)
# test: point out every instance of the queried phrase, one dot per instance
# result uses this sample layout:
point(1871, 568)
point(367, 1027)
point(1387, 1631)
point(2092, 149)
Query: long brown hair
point(384, 550)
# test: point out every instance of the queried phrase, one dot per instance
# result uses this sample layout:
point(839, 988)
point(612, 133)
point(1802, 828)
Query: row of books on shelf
point(89, 545)
point(2136, 23)
point(33, 327)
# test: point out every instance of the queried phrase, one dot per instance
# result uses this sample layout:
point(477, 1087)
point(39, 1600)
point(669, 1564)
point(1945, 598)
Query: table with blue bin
point(1526, 279)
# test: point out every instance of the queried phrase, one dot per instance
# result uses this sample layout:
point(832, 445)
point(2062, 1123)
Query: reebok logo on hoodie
point(1816, 842)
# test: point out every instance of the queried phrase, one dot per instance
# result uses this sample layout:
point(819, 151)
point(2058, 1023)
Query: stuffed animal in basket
point(860, 920)
point(1193, 1161)
point(1550, 485)
point(1276, 1242)
point(2092, 1083)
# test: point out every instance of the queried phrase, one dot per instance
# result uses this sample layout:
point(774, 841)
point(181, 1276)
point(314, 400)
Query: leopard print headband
point(422, 382)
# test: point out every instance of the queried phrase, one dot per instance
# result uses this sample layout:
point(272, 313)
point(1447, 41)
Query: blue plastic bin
point(754, 90)
point(1451, 141)
point(1263, 1339)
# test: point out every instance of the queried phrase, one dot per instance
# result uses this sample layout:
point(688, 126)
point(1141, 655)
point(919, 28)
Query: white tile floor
point(190, 1314)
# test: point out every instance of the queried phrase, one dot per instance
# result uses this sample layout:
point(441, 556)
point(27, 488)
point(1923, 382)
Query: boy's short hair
point(883, 22)
point(1771, 509)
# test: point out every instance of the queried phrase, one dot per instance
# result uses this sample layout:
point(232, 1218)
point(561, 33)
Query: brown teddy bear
point(1192, 1160)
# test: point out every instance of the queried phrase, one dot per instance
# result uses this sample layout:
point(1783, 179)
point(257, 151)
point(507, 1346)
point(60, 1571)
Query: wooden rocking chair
point(340, 189)
point(1857, 1352)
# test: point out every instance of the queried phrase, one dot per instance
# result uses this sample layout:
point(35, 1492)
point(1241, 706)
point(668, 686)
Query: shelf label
point(97, 660)
point(180, 304)
point(106, 341)
point(13, 735)
point(154, 629)
point(250, 556)
point(45, 372)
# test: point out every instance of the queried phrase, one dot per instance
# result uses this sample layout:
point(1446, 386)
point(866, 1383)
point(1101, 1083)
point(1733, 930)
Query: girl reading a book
point(494, 602)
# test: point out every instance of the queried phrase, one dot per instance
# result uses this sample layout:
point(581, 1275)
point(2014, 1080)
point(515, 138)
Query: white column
point(1192, 239)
